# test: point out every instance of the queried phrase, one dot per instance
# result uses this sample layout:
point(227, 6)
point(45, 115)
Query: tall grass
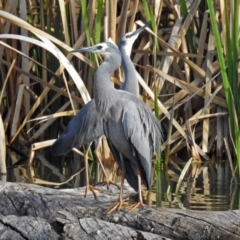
point(230, 72)
point(176, 55)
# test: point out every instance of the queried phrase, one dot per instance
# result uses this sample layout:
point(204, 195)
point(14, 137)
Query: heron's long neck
point(131, 83)
point(103, 90)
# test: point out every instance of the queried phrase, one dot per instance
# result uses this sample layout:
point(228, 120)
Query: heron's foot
point(92, 189)
point(135, 205)
point(117, 206)
point(109, 182)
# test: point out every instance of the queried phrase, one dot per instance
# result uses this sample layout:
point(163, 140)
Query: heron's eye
point(99, 47)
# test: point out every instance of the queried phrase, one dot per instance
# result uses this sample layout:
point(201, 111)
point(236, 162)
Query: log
point(29, 211)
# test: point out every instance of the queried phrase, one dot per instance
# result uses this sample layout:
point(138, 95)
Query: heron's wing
point(130, 176)
point(84, 128)
point(142, 130)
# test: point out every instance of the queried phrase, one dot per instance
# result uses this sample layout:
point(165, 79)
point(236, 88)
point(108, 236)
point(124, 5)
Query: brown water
point(205, 187)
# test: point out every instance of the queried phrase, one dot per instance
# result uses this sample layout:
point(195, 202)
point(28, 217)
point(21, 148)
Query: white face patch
point(128, 49)
point(128, 42)
point(104, 45)
point(103, 49)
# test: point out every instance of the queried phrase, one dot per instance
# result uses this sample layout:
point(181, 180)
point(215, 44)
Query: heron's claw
point(109, 182)
point(115, 206)
point(92, 189)
point(134, 206)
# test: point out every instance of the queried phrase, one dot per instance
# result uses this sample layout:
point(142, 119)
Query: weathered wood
point(27, 227)
point(33, 212)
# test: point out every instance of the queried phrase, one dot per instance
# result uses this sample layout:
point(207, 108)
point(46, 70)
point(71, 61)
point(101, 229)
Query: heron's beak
point(139, 30)
point(85, 49)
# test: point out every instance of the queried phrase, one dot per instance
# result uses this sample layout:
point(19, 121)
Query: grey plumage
point(87, 125)
point(132, 130)
point(83, 128)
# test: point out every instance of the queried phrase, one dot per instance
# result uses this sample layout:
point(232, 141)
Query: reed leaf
point(85, 21)
point(98, 25)
point(230, 90)
point(182, 175)
point(183, 6)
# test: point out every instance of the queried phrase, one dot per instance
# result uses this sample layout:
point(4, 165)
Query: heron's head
point(106, 49)
point(129, 38)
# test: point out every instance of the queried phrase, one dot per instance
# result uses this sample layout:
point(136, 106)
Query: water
point(206, 187)
point(209, 186)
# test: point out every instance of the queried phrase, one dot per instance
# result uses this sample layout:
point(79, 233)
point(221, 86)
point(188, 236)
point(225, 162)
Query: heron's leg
point(89, 187)
point(120, 202)
point(140, 202)
point(108, 181)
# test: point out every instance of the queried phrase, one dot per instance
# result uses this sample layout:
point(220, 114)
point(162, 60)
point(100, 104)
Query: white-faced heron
point(132, 130)
point(87, 125)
